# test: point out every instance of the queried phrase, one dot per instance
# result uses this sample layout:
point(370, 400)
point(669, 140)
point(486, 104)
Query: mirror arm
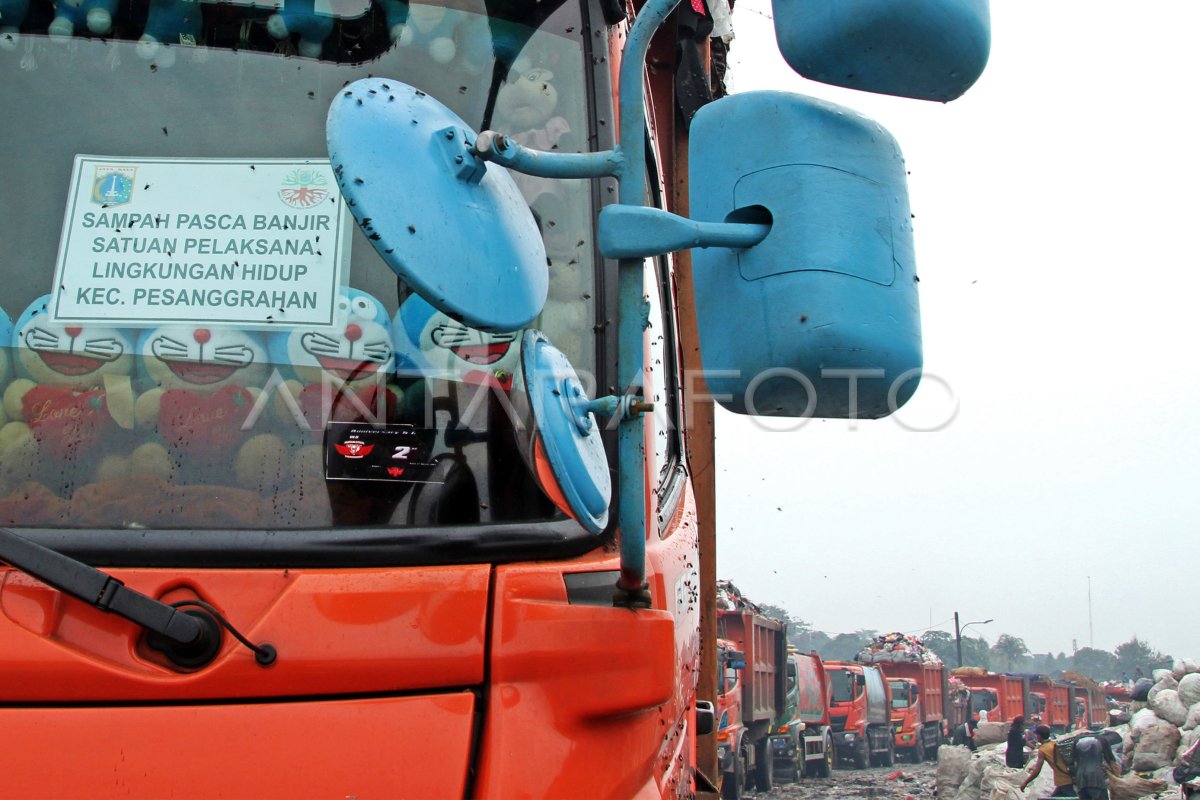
point(633, 312)
point(637, 232)
point(505, 151)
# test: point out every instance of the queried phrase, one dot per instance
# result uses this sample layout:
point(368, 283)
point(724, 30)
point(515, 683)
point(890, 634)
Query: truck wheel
point(932, 752)
point(824, 767)
point(734, 784)
point(764, 769)
point(918, 752)
point(861, 755)
point(888, 758)
point(798, 759)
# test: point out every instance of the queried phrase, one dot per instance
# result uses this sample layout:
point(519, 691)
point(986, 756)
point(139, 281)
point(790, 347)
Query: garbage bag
point(1193, 717)
point(1167, 705)
point(1140, 689)
point(991, 733)
point(1156, 747)
point(1164, 683)
point(1142, 720)
point(1189, 689)
point(1004, 790)
point(971, 787)
point(952, 765)
point(1133, 786)
point(998, 774)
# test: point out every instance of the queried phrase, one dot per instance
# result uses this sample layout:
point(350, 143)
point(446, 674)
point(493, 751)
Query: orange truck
point(918, 698)
point(752, 697)
point(1002, 697)
point(345, 444)
point(860, 703)
point(1050, 703)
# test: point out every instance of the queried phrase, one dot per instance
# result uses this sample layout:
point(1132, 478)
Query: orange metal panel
point(336, 632)
point(387, 747)
point(591, 700)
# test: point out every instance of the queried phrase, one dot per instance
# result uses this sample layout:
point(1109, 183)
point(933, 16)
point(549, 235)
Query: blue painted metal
point(507, 152)
point(484, 262)
point(928, 50)
point(569, 435)
point(639, 232)
point(821, 318)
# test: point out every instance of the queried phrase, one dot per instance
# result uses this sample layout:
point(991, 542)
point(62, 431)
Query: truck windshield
point(841, 685)
point(900, 698)
point(983, 700)
point(203, 339)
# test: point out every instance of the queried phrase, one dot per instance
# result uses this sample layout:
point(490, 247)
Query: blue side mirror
point(820, 319)
point(928, 50)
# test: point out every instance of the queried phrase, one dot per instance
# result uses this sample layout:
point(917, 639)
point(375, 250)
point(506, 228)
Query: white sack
point(1001, 773)
point(1189, 689)
point(1187, 742)
point(1140, 721)
point(1193, 717)
point(1156, 747)
point(1159, 674)
point(991, 733)
point(953, 763)
point(984, 758)
point(1166, 682)
point(1167, 705)
point(1003, 790)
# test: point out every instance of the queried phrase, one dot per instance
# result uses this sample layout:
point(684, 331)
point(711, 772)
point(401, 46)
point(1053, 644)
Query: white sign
point(256, 243)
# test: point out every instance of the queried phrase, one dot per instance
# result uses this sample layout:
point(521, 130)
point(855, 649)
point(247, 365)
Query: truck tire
point(824, 767)
point(932, 752)
point(888, 759)
point(862, 756)
point(918, 751)
point(764, 767)
point(733, 785)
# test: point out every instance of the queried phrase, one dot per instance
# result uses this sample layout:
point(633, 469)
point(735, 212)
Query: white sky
point(1056, 223)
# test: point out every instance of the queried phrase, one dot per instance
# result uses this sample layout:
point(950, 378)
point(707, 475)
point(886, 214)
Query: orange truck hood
point(375, 667)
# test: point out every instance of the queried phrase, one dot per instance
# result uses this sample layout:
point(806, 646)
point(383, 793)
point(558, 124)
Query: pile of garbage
point(1161, 738)
point(730, 598)
point(1164, 721)
point(892, 647)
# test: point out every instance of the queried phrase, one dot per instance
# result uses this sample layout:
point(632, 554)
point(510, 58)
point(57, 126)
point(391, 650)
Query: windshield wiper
point(189, 639)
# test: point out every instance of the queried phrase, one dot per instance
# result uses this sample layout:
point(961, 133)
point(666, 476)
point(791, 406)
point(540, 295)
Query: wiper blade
point(189, 638)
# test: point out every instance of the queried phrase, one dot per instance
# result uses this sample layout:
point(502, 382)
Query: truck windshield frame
point(234, 93)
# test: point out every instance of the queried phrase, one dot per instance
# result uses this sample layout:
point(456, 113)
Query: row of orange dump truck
point(782, 714)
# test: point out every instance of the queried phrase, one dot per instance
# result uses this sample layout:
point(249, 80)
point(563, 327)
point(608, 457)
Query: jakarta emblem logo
point(113, 186)
point(354, 448)
point(303, 188)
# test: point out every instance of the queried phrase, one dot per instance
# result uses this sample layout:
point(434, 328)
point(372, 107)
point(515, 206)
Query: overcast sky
point(1055, 217)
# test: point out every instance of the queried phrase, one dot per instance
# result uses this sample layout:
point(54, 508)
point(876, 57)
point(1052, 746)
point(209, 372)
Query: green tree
point(976, 653)
point(942, 645)
point(845, 646)
point(1099, 665)
point(797, 628)
point(1137, 657)
point(1009, 653)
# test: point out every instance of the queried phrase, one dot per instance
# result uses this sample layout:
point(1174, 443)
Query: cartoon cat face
point(202, 359)
point(357, 349)
point(440, 347)
point(74, 355)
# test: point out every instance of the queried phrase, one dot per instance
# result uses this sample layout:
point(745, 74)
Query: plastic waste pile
point(1160, 746)
point(893, 647)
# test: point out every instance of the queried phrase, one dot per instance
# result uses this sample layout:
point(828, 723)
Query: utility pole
point(1091, 634)
point(957, 638)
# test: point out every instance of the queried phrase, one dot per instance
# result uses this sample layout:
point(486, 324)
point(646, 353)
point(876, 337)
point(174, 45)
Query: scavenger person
point(1094, 762)
point(1014, 756)
point(1047, 752)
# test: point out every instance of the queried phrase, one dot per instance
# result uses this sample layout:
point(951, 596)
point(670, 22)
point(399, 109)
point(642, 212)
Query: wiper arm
point(189, 639)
